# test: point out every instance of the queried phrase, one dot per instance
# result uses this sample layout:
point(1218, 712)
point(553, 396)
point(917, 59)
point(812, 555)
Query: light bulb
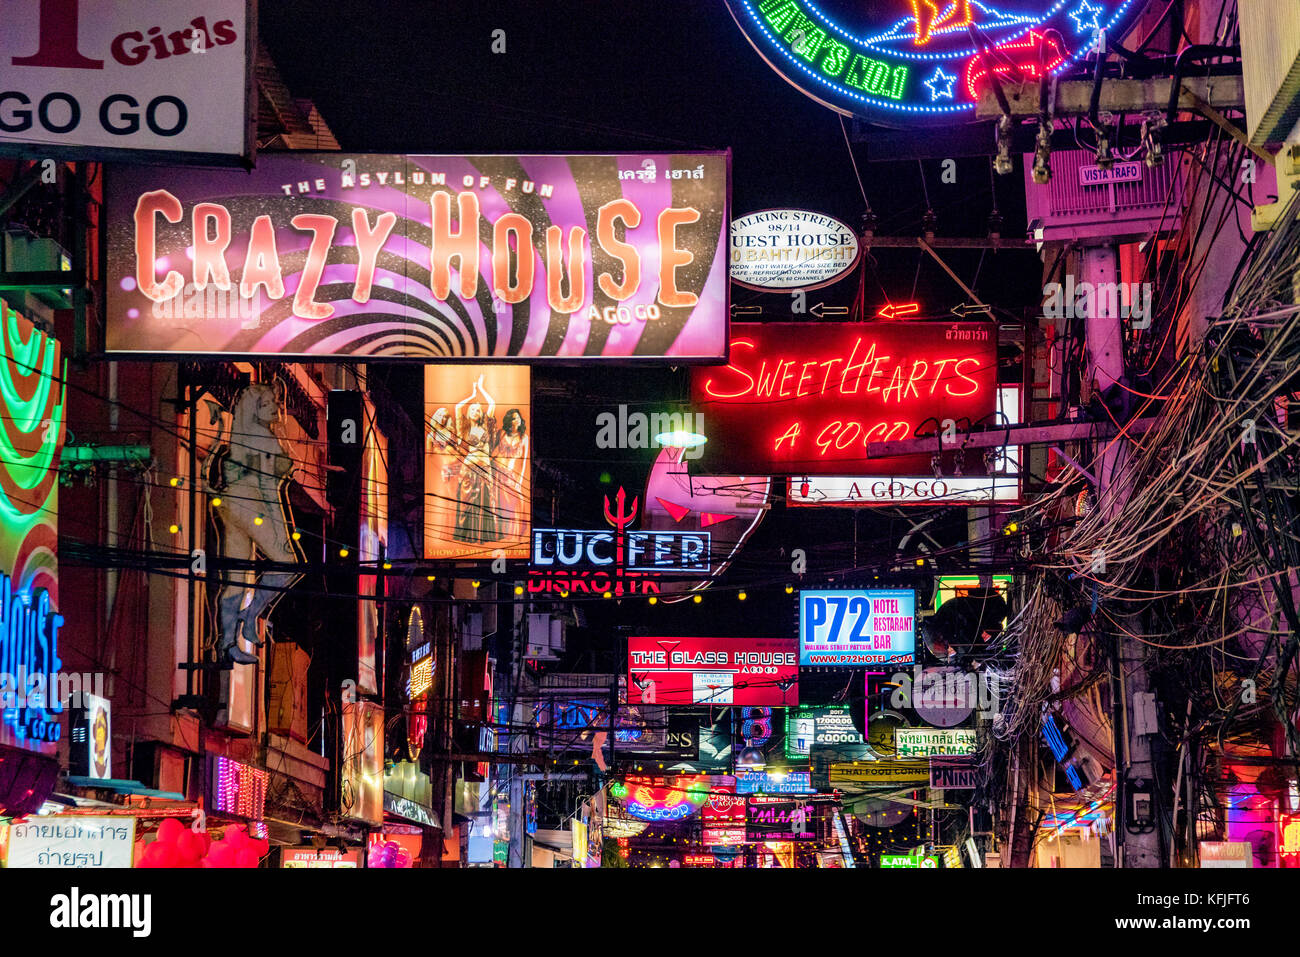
point(697, 599)
point(173, 529)
point(343, 553)
point(216, 502)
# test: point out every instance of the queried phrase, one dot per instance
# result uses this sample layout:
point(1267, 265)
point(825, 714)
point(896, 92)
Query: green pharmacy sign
point(921, 58)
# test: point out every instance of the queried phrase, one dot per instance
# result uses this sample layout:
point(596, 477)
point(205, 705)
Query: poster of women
point(478, 461)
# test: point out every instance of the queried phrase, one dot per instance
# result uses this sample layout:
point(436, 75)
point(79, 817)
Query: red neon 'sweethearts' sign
point(809, 398)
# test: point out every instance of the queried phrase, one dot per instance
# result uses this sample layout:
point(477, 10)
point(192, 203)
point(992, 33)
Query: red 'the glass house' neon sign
point(810, 398)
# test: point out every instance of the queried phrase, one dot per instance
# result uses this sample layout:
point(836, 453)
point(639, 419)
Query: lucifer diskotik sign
point(130, 77)
point(618, 256)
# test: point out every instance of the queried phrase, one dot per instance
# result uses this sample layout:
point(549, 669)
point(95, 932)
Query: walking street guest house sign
point(915, 58)
point(616, 257)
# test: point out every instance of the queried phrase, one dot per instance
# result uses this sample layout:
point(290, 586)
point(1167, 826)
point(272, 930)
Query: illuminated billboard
point(724, 809)
point(822, 724)
point(934, 742)
point(34, 407)
point(808, 398)
point(1002, 484)
point(477, 461)
point(857, 626)
point(780, 820)
point(917, 61)
point(335, 255)
point(713, 671)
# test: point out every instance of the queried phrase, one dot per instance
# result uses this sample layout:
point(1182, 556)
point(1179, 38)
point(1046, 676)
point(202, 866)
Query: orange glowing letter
point(369, 242)
point(262, 264)
point(463, 244)
point(210, 254)
point(670, 257)
point(522, 229)
point(322, 227)
point(625, 210)
point(155, 201)
point(555, 269)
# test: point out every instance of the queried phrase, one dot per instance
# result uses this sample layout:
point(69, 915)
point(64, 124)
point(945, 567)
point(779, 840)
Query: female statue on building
point(255, 519)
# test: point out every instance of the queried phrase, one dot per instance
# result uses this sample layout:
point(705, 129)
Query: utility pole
point(1136, 834)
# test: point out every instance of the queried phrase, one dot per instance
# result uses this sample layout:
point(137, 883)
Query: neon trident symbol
point(620, 521)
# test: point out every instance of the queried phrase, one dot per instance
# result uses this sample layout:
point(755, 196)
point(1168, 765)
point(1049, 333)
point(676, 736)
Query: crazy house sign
point(618, 562)
point(916, 59)
point(32, 409)
point(616, 257)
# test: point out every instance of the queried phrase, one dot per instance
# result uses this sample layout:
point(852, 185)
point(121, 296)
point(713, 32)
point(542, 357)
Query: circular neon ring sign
point(916, 57)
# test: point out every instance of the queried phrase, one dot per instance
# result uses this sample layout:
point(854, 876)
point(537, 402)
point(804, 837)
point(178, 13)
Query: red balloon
point(235, 835)
point(150, 856)
point(190, 848)
point(207, 842)
point(246, 857)
point(167, 856)
point(220, 855)
point(261, 845)
point(169, 830)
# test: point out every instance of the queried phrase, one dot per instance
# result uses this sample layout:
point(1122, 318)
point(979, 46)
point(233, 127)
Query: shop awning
point(122, 786)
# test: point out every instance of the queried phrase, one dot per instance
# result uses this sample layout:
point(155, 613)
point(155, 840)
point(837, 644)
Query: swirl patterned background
point(402, 318)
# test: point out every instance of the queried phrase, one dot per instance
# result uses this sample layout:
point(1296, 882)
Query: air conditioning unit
point(24, 252)
point(472, 633)
point(1270, 65)
point(539, 637)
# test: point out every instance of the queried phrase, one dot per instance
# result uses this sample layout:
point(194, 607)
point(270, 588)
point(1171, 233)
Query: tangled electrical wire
point(1192, 545)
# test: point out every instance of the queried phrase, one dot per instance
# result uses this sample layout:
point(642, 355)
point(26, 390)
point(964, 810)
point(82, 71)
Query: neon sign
point(917, 57)
point(658, 799)
point(29, 657)
point(618, 562)
point(32, 407)
point(809, 399)
point(1055, 742)
point(775, 782)
point(722, 809)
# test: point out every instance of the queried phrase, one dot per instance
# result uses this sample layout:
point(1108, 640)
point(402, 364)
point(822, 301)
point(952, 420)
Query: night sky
point(641, 75)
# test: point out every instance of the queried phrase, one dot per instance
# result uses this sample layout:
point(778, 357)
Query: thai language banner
point(808, 398)
point(620, 256)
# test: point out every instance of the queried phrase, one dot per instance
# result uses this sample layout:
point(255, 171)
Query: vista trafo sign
point(916, 58)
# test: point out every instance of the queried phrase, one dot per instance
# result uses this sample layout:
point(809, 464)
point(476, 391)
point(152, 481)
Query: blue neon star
point(1086, 18)
point(940, 79)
